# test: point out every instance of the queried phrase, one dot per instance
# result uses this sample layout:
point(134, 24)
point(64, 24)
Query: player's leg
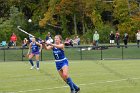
point(37, 61)
point(31, 61)
point(64, 74)
point(14, 43)
point(125, 43)
point(138, 43)
point(113, 41)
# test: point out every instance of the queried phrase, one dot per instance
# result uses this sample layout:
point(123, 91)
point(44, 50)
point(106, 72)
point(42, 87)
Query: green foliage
point(87, 38)
point(125, 13)
point(96, 18)
point(121, 10)
point(104, 33)
point(17, 19)
point(64, 26)
point(82, 17)
point(5, 30)
point(7, 27)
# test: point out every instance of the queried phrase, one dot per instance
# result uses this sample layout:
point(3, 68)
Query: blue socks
point(31, 61)
point(75, 87)
point(37, 64)
point(71, 84)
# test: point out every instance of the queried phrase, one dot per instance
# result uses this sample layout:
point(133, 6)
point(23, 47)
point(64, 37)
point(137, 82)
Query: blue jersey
point(34, 47)
point(60, 59)
point(58, 53)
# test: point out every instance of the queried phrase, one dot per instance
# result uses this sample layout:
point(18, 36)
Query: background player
point(62, 62)
point(34, 46)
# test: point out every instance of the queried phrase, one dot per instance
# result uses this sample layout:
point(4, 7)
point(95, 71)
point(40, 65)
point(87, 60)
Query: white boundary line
point(101, 82)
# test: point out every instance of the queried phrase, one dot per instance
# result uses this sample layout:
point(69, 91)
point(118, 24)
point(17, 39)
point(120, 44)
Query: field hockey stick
point(19, 28)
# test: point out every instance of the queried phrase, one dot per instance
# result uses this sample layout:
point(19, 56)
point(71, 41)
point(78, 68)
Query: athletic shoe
point(72, 91)
point(32, 67)
point(77, 90)
point(37, 69)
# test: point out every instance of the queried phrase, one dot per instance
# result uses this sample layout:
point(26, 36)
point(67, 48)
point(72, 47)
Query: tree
point(125, 12)
point(10, 25)
point(71, 17)
point(121, 10)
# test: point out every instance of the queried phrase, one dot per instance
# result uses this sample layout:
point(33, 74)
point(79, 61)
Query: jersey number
point(56, 55)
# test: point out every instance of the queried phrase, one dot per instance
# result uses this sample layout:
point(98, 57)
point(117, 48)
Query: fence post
point(4, 53)
point(122, 52)
point(81, 53)
point(41, 55)
point(22, 54)
point(101, 53)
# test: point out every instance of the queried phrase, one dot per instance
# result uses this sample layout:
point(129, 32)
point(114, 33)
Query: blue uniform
point(35, 48)
point(60, 58)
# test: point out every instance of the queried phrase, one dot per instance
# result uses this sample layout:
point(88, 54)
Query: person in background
point(138, 38)
point(48, 36)
point(112, 38)
point(34, 50)
point(76, 40)
point(117, 36)
point(25, 41)
point(29, 39)
point(125, 39)
point(39, 40)
point(96, 38)
point(13, 39)
point(68, 42)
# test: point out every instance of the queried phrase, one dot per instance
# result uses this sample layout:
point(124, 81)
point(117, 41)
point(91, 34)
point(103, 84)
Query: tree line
point(70, 18)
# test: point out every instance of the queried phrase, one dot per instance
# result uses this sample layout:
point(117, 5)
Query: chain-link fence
point(76, 53)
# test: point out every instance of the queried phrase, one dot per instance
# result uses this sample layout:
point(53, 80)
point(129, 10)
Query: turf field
point(113, 76)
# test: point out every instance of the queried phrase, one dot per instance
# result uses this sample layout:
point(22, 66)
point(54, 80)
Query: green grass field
point(113, 76)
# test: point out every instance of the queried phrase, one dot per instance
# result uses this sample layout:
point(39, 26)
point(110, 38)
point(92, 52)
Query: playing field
point(118, 76)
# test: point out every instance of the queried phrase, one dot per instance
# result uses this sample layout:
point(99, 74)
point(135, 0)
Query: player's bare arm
point(49, 47)
point(61, 46)
point(29, 49)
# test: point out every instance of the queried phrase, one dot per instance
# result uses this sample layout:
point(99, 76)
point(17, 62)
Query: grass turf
point(117, 76)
